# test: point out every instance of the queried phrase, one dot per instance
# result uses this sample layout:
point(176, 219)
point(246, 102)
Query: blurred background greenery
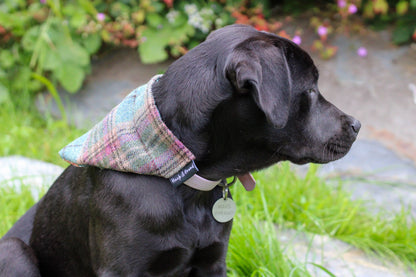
point(47, 43)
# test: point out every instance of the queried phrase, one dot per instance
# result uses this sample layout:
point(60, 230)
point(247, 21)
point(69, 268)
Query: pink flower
point(342, 3)
point(42, 1)
point(352, 9)
point(100, 16)
point(297, 40)
point(322, 31)
point(362, 52)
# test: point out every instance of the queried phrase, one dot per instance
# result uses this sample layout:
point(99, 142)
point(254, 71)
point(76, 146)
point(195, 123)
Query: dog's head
point(243, 100)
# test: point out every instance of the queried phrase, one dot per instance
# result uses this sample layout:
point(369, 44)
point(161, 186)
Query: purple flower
point(352, 9)
point(362, 52)
point(342, 3)
point(297, 40)
point(322, 31)
point(42, 1)
point(100, 16)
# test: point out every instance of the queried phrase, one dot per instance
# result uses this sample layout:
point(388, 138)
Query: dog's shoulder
point(147, 200)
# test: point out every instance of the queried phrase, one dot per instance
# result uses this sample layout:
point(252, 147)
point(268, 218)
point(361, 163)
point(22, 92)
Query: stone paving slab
point(373, 161)
point(17, 171)
point(340, 258)
point(375, 174)
point(374, 89)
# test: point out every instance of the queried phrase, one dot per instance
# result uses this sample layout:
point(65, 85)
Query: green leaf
point(3, 73)
point(402, 7)
point(180, 20)
point(18, 22)
point(78, 20)
point(70, 76)
point(52, 60)
point(6, 58)
point(323, 269)
point(153, 49)
point(87, 6)
point(154, 20)
point(22, 78)
point(91, 43)
point(158, 6)
point(70, 51)
point(119, 9)
point(30, 38)
point(402, 34)
point(4, 93)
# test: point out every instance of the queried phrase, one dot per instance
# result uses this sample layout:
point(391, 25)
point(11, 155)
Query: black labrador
point(240, 101)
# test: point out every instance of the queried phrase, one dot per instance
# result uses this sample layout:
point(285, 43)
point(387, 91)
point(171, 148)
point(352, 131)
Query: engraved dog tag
point(224, 210)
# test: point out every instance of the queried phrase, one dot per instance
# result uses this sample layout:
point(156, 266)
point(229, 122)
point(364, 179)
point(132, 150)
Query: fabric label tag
point(184, 174)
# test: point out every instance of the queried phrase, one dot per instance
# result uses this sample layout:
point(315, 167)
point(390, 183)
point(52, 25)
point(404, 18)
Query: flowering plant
point(51, 42)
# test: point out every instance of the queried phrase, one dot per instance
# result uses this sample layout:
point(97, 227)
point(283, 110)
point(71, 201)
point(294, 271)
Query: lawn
point(281, 200)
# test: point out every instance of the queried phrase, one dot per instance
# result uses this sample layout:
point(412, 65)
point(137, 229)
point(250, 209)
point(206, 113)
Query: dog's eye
point(311, 90)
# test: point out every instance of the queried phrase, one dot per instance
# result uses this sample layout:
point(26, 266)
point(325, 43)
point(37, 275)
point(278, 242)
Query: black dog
point(240, 101)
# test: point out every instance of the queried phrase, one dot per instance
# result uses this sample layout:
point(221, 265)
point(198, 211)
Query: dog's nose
point(356, 126)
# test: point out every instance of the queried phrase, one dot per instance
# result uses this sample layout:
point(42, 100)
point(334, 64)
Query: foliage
point(255, 250)
point(14, 202)
point(56, 39)
point(402, 13)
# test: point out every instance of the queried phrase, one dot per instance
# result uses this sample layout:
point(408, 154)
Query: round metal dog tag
point(224, 210)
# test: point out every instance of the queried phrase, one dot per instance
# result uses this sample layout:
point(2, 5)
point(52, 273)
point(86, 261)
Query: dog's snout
point(355, 126)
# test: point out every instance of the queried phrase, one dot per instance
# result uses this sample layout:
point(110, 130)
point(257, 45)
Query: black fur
point(240, 101)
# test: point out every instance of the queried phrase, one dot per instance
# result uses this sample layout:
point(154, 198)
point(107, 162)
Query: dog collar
point(200, 183)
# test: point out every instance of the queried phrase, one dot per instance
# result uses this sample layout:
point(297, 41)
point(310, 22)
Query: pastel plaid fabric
point(131, 138)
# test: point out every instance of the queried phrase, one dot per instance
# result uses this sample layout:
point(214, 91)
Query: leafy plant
point(56, 39)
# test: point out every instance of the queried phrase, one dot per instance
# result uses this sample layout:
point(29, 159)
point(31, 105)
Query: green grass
point(25, 132)
point(310, 204)
point(254, 250)
point(13, 204)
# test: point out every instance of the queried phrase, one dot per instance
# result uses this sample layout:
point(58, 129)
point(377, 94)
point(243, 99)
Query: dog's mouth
point(333, 150)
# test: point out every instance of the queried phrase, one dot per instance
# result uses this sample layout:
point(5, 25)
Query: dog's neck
point(192, 132)
point(216, 157)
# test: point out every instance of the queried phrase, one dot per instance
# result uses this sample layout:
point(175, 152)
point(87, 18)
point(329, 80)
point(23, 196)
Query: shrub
point(51, 42)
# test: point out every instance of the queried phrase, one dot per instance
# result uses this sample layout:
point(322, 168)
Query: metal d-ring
point(225, 186)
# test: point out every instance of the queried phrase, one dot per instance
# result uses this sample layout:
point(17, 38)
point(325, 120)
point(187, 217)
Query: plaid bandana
point(131, 138)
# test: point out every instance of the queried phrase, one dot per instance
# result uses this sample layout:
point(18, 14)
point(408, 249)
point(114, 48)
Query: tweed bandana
point(131, 138)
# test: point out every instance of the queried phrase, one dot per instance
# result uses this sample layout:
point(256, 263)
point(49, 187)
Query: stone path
point(16, 171)
point(375, 89)
point(380, 166)
point(340, 258)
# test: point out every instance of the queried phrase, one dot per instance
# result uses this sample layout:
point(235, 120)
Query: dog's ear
point(264, 73)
